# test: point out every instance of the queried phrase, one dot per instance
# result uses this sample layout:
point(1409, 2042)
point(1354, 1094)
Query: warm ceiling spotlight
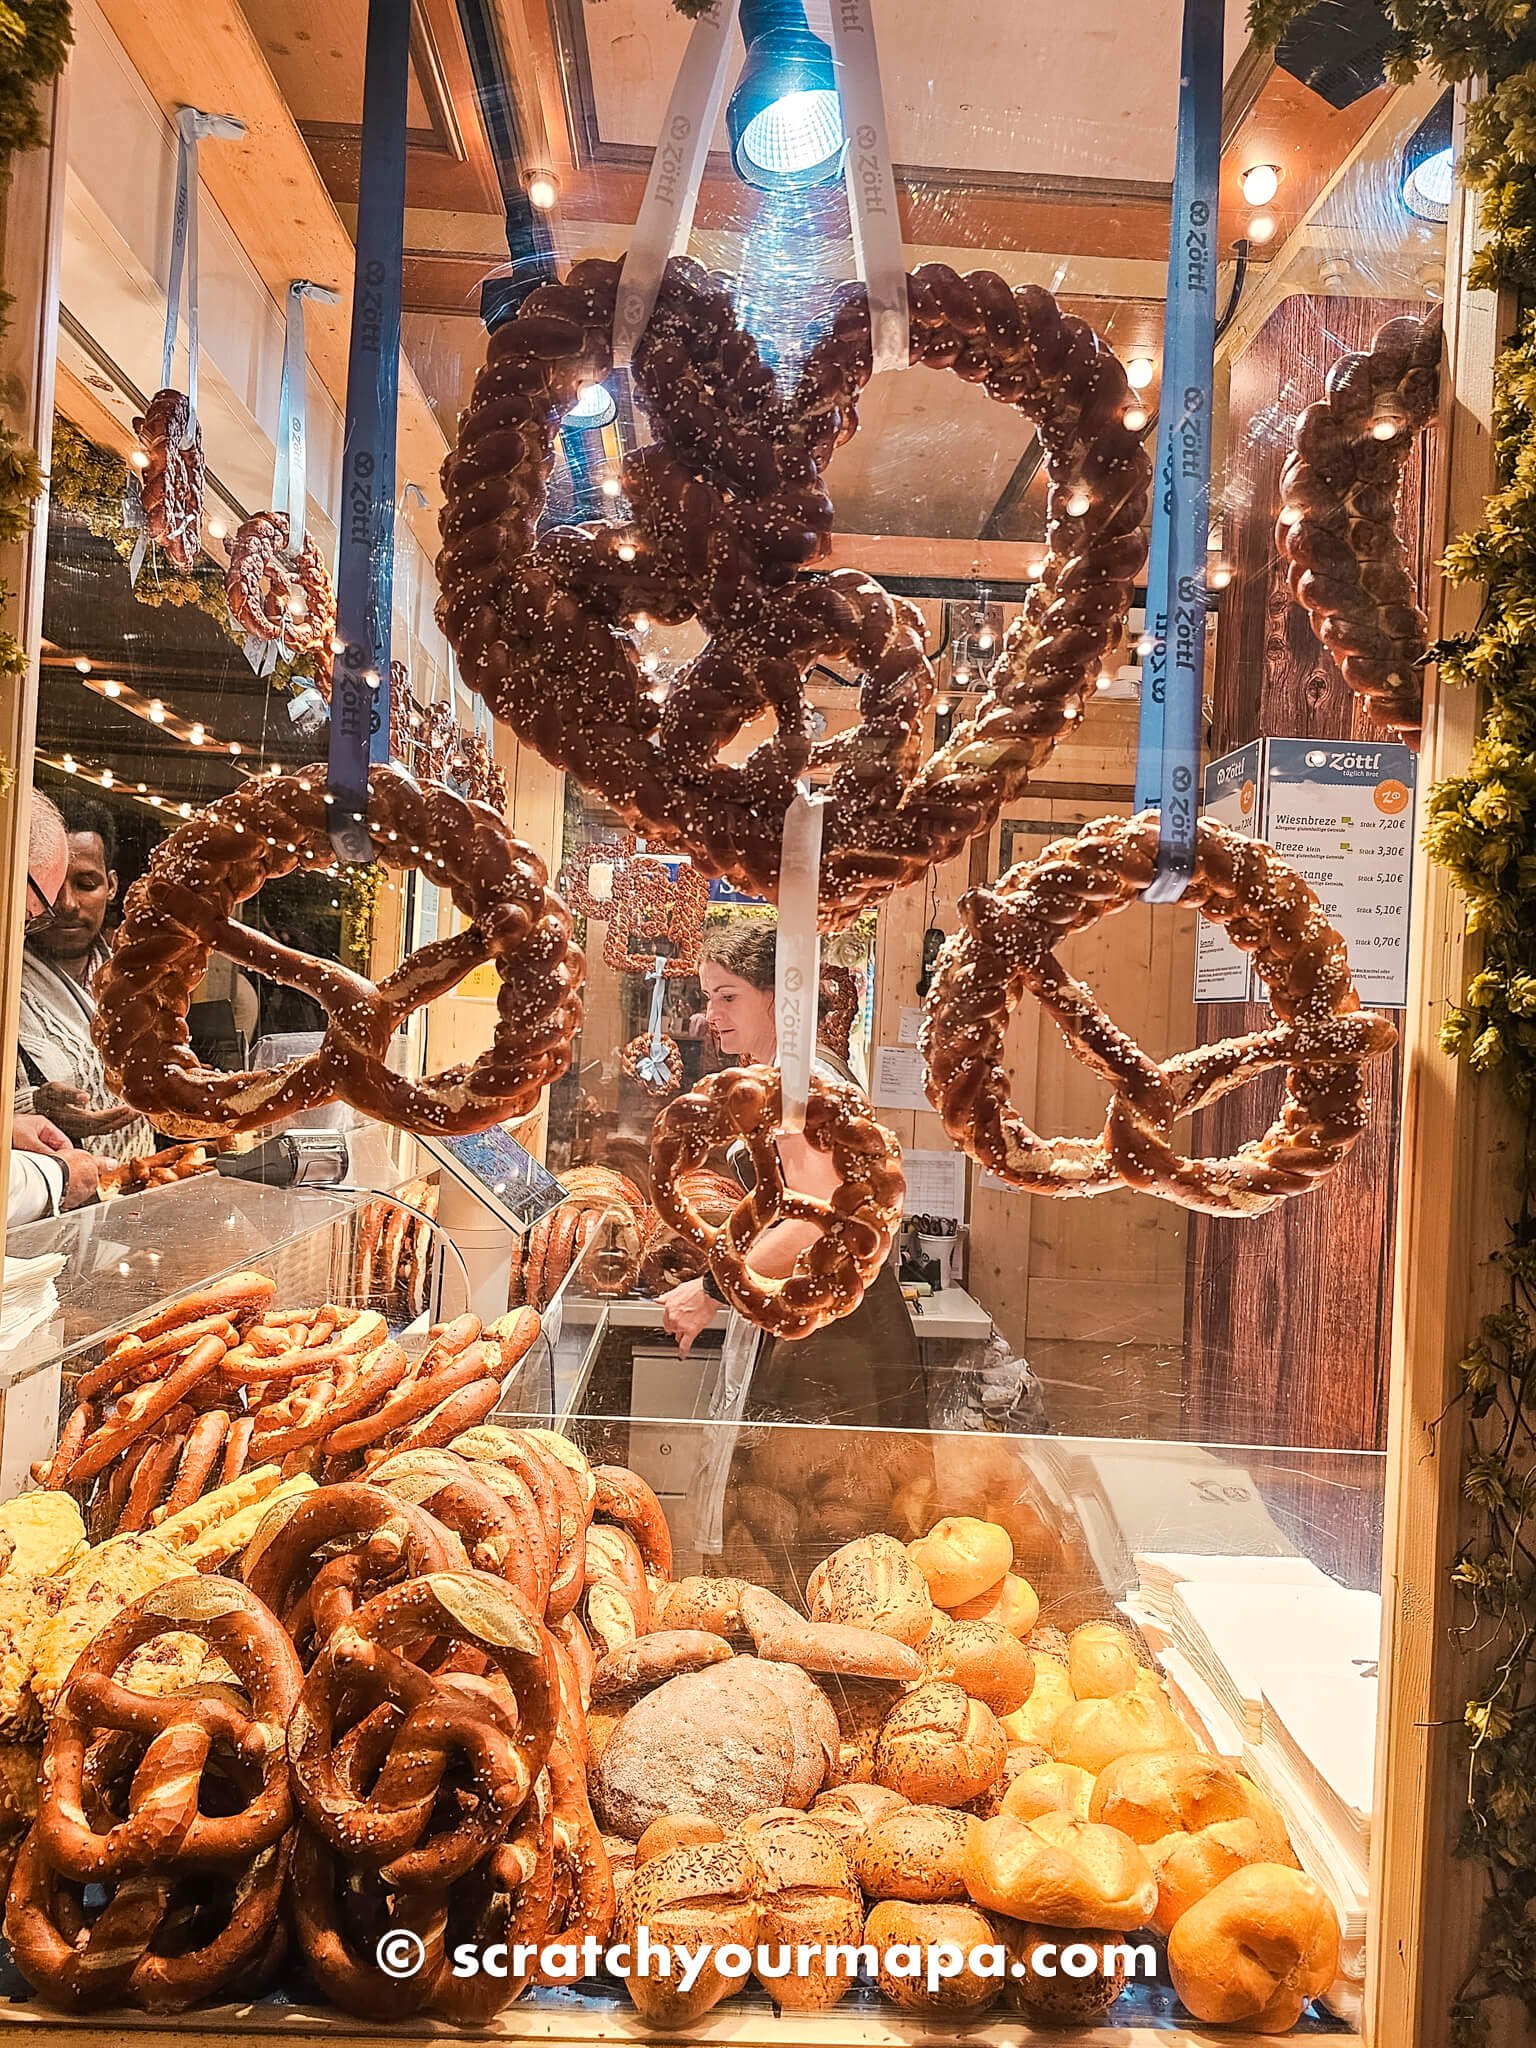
point(1135, 417)
point(626, 553)
point(1036, 570)
point(1078, 503)
point(612, 488)
point(82, 662)
point(217, 529)
point(197, 735)
point(139, 459)
point(1260, 183)
point(542, 190)
point(1261, 227)
point(156, 711)
point(107, 778)
point(1219, 577)
point(984, 638)
point(1139, 372)
point(784, 119)
point(1384, 430)
point(112, 689)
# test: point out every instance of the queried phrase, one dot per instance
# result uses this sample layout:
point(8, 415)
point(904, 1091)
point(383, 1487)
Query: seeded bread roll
point(872, 1583)
point(897, 1926)
point(1049, 1698)
point(652, 1659)
point(851, 1810)
point(940, 1747)
point(862, 1708)
point(915, 1853)
point(984, 1660)
point(1050, 1788)
point(835, 1649)
point(1254, 1950)
point(1060, 1871)
point(1153, 1793)
point(1093, 1733)
point(1041, 1989)
point(675, 1831)
point(1012, 1603)
point(702, 1896)
point(809, 1901)
point(1102, 1661)
point(962, 1558)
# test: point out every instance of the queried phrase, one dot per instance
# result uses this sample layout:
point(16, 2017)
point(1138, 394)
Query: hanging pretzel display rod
point(365, 567)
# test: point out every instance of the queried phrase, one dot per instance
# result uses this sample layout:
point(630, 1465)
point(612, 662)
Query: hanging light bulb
point(1260, 183)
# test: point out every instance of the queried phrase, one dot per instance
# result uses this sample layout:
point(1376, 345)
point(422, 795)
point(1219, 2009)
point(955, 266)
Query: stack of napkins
point(27, 1301)
point(1242, 1633)
point(1133, 1497)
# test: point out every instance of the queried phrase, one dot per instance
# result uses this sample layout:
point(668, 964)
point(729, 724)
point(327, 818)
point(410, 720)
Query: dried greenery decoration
point(1482, 829)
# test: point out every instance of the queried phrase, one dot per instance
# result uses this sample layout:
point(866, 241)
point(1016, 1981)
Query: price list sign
point(1342, 813)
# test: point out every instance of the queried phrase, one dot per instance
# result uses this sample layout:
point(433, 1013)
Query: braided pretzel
point(727, 506)
point(169, 1816)
point(369, 1784)
point(658, 1072)
point(182, 912)
point(652, 903)
point(1338, 526)
point(275, 595)
point(839, 1007)
point(575, 880)
point(171, 483)
point(1007, 942)
point(857, 1225)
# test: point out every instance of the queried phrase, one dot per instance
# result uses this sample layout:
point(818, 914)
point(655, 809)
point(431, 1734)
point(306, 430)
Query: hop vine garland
point(1482, 830)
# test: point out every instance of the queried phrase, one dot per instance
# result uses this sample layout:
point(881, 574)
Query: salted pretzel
point(656, 907)
point(316, 1560)
point(274, 594)
point(727, 506)
point(670, 1259)
point(575, 879)
point(627, 1500)
point(171, 482)
point(1007, 945)
point(1337, 530)
point(654, 1065)
point(839, 1007)
point(182, 912)
point(857, 1224)
point(375, 1735)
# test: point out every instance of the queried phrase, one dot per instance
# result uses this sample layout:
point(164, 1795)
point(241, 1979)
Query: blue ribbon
point(365, 565)
point(1181, 513)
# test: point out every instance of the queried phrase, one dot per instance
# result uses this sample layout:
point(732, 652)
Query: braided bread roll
point(183, 910)
point(1337, 529)
point(727, 508)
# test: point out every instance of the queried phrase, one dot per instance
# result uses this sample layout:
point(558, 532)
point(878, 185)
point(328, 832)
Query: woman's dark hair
point(746, 947)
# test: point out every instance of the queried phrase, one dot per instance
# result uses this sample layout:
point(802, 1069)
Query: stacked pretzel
point(154, 1169)
point(600, 1228)
point(726, 506)
point(392, 1262)
point(220, 1383)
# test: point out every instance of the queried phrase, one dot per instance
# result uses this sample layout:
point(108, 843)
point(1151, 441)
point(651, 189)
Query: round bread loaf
point(675, 1831)
point(705, 1896)
point(915, 1852)
point(1049, 1698)
point(899, 1931)
point(814, 1723)
point(1050, 1788)
point(984, 1660)
point(719, 1742)
point(1041, 1989)
point(1152, 1793)
point(872, 1583)
point(1094, 1732)
point(850, 1810)
point(1101, 1661)
point(809, 1901)
point(1059, 1870)
point(940, 1747)
point(962, 1558)
point(1255, 1949)
point(1012, 1603)
point(1187, 1866)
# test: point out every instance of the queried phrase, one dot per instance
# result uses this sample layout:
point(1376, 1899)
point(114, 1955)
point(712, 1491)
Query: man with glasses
point(48, 1173)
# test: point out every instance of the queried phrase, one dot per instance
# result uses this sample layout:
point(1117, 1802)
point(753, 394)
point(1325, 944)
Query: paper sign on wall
point(1342, 813)
point(935, 1183)
point(911, 1025)
point(897, 1079)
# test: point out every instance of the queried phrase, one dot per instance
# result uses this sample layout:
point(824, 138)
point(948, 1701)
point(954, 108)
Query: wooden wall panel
point(1290, 1313)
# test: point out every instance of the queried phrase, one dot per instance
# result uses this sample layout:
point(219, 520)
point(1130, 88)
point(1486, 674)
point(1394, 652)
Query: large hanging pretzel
point(276, 595)
point(857, 1225)
point(182, 912)
point(651, 903)
point(726, 507)
point(1007, 944)
point(171, 483)
point(1338, 523)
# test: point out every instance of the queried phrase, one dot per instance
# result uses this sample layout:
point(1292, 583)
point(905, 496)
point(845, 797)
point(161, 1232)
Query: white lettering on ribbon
point(797, 958)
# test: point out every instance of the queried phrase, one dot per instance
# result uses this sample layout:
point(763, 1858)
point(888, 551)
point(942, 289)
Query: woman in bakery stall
point(862, 1370)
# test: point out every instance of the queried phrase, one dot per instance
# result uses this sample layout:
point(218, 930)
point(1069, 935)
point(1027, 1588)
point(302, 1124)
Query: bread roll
point(962, 1558)
point(1012, 1603)
point(1254, 1950)
point(896, 1925)
point(940, 1747)
point(808, 1899)
point(1269, 1821)
point(984, 1660)
point(650, 1660)
point(872, 1583)
point(1049, 1698)
point(706, 1895)
point(676, 1831)
point(1151, 1793)
point(1018, 1758)
point(1043, 1990)
point(1101, 1661)
point(1060, 1871)
point(914, 1853)
point(1094, 1732)
point(1187, 1866)
point(1050, 1788)
point(848, 1810)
